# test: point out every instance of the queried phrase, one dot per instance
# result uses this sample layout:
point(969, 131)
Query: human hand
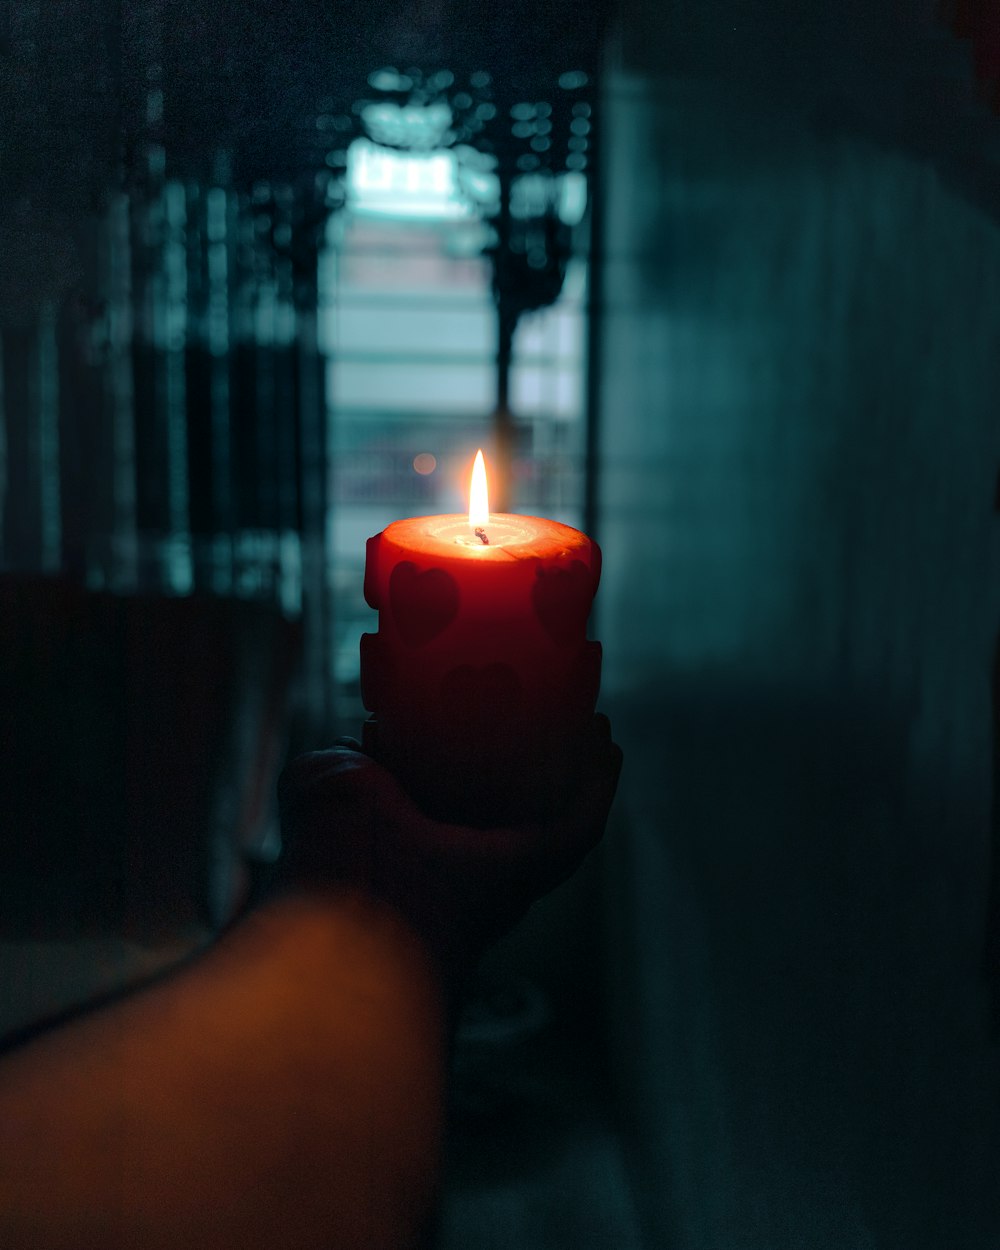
point(347, 821)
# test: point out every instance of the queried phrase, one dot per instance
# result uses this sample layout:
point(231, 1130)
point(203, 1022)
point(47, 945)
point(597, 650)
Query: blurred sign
point(383, 182)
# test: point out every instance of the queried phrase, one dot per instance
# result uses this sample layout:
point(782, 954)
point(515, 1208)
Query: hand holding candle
point(347, 820)
point(480, 677)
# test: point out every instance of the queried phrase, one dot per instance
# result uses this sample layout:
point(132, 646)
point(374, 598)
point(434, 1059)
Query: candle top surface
point(506, 536)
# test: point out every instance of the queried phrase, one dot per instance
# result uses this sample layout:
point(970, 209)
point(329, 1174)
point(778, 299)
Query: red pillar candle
point(480, 677)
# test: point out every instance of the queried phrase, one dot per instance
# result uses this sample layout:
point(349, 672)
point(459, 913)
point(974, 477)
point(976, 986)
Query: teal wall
point(800, 445)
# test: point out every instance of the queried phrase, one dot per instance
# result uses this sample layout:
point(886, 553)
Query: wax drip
point(481, 535)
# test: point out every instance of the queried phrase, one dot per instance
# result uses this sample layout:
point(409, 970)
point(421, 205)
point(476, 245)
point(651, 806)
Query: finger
point(307, 773)
point(581, 827)
point(559, 844)
point(600, 778)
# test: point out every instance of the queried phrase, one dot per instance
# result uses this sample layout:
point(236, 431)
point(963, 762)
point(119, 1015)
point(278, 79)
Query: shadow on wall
point(801, 1045)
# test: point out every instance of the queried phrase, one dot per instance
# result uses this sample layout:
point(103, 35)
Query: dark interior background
point(765, 1014)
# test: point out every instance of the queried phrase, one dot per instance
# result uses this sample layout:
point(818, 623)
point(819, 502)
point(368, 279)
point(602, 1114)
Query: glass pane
point(382, 384)
point(368, 326)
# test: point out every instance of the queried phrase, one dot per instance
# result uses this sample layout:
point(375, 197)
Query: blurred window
point(408, 329)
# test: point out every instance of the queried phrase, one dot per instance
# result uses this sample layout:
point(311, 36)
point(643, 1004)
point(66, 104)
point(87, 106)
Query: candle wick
point(481, 535)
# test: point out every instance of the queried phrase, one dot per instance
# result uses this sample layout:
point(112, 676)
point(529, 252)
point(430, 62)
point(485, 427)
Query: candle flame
point(479, 500)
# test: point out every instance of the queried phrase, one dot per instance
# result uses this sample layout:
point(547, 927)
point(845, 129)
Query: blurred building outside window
point(407, 324)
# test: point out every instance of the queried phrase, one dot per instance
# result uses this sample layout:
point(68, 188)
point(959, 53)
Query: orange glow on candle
point(481, 676)
point(479, 500)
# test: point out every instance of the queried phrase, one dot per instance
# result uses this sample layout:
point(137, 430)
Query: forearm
point(284, 1090)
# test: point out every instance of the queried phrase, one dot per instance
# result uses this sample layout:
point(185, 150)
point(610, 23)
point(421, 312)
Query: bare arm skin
point(285, 1089)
